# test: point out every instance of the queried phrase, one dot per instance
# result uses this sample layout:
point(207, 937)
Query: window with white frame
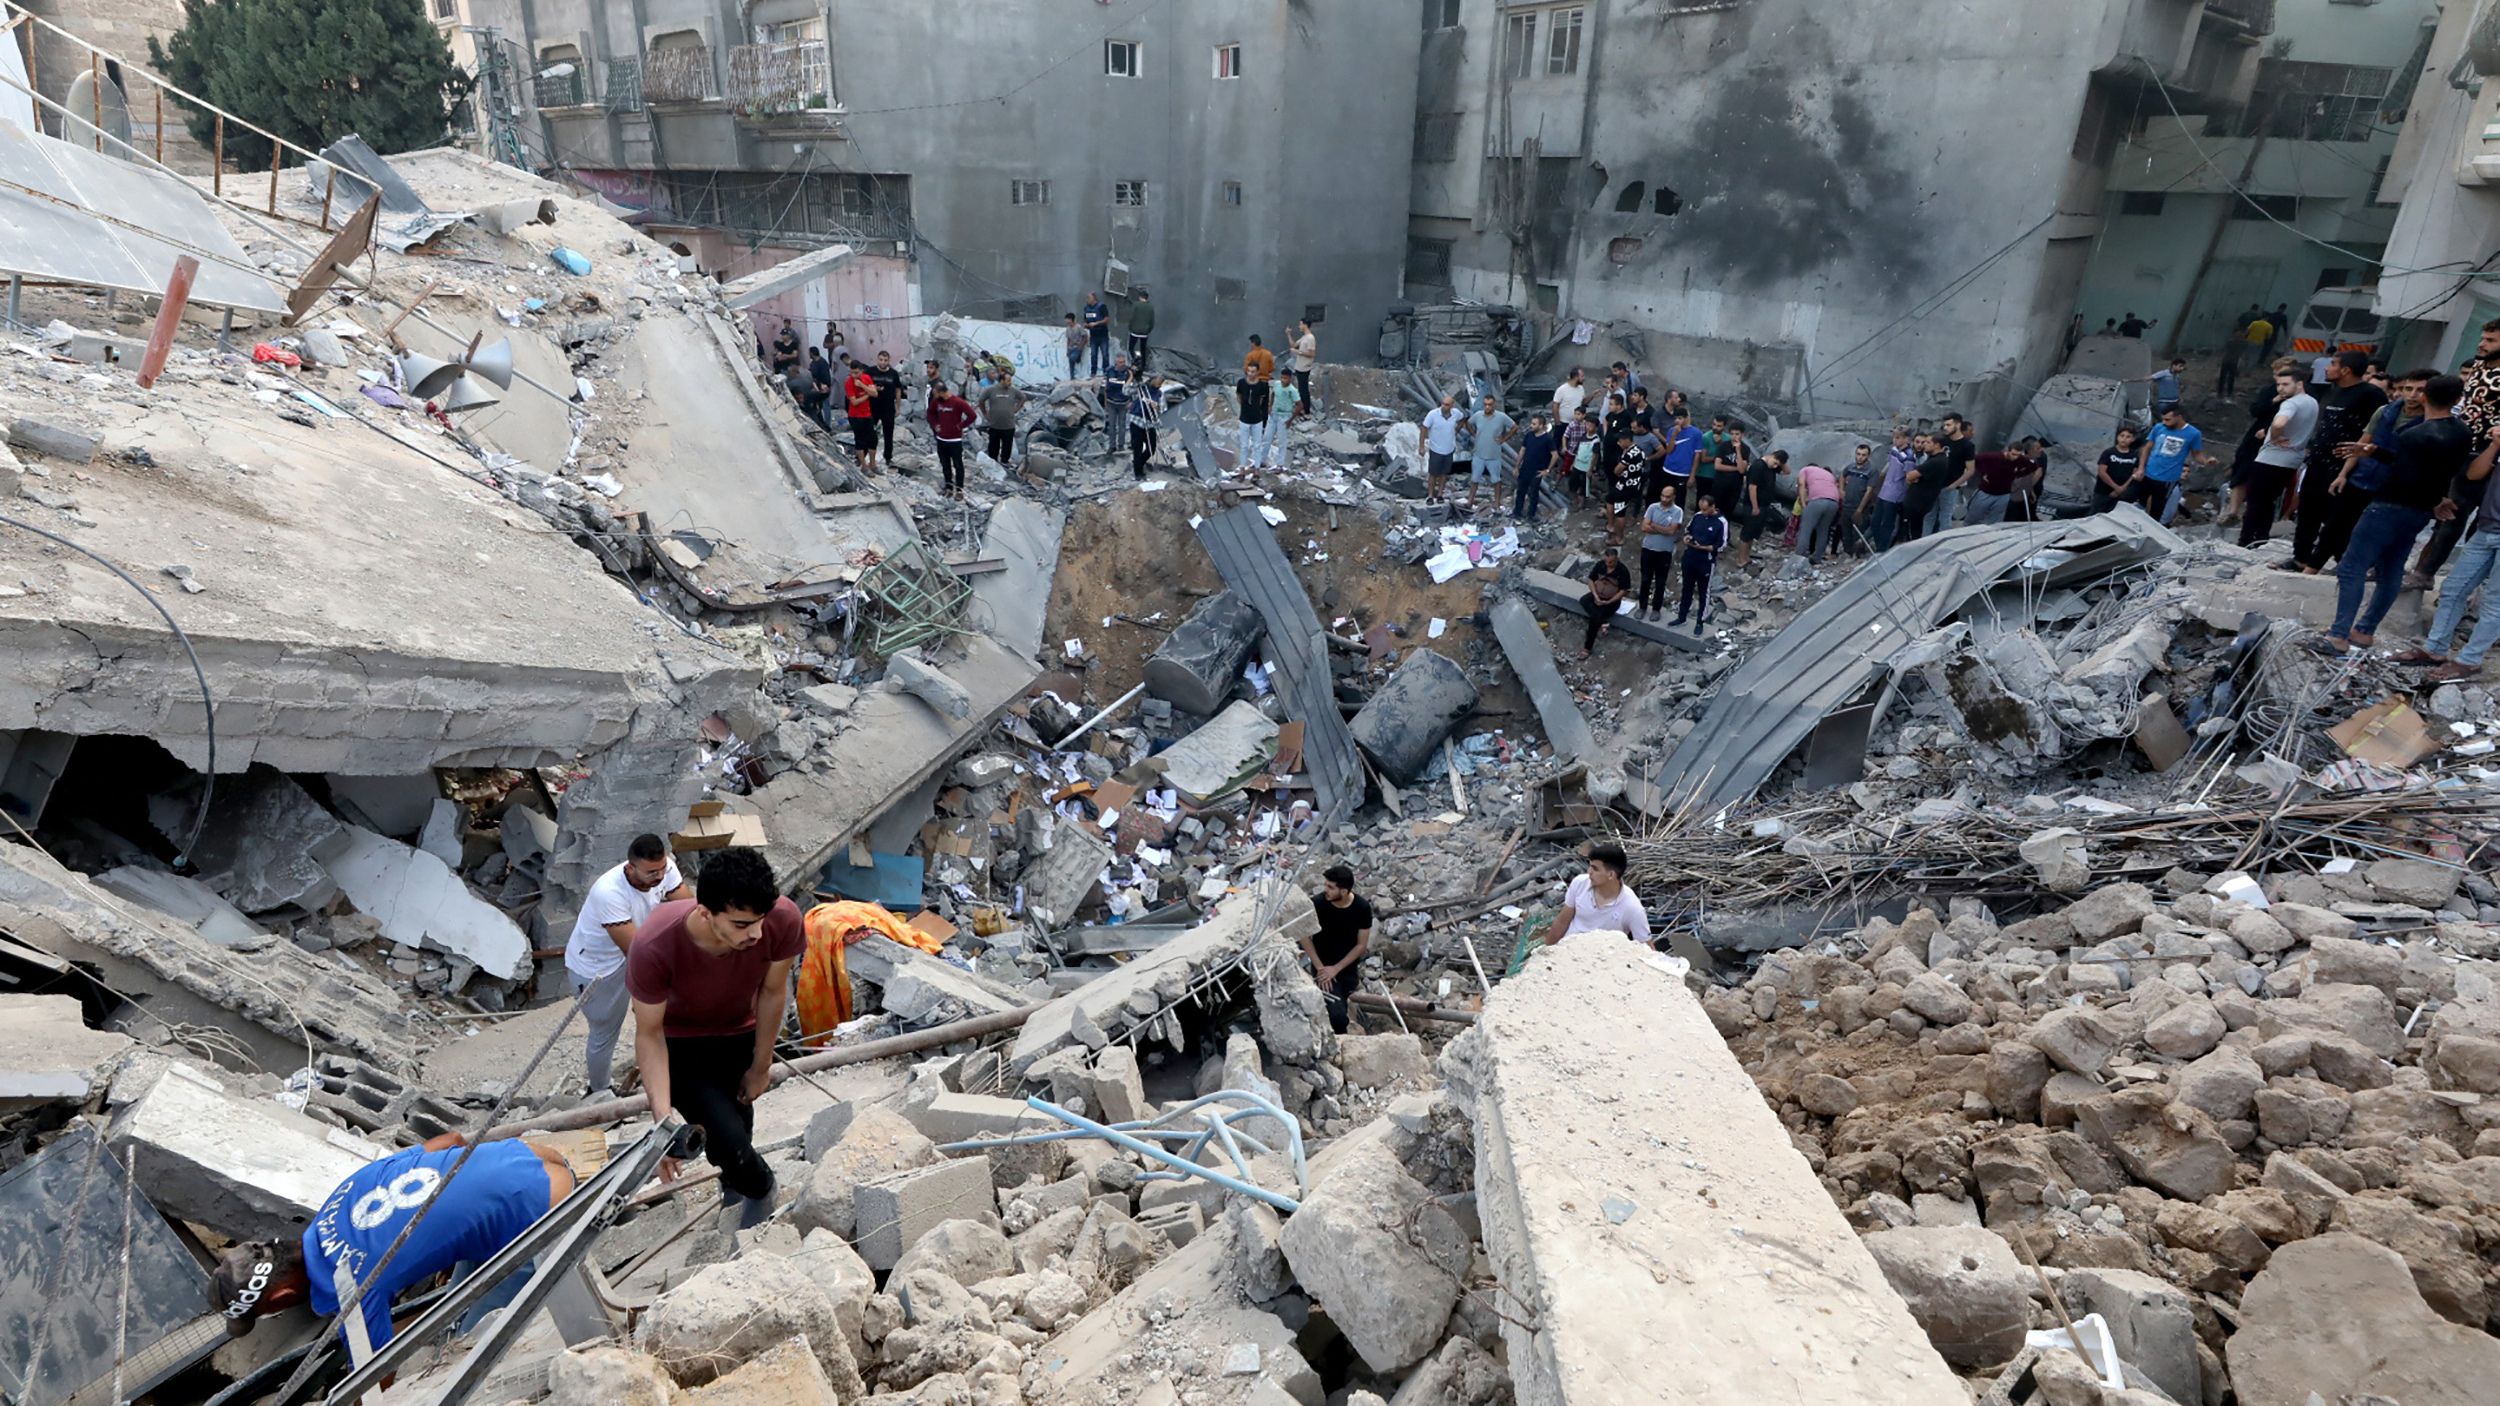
point(1232, 192)
point(1028, 192)
point(1562, 41)
point(803, 43)
point(1129, 193)
point(1228, 60)
point(1123, 58)
point(1519, 56)
point(1440, 14)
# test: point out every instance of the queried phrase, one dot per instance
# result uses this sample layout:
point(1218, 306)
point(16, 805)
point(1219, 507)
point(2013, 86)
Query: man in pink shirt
point(1819, 511)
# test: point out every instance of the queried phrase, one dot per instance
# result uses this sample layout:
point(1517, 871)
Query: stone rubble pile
point(2233, 1129)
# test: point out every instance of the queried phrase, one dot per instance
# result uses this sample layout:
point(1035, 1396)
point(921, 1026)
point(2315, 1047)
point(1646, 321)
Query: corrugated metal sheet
point(1244, 549)
point(1832, 653)
point(50, 196)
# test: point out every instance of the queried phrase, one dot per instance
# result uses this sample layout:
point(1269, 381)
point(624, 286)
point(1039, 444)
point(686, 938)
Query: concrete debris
point(420, 902)
point(189, 900)
point(907, 671)
point(1345, 1245)
point(48, 1055)
point(258, 845)
point(2339, 1317)
point(246, 1168)
point(733, 1313)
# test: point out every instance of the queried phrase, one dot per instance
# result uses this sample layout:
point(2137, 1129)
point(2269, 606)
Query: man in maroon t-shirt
point(710, 978)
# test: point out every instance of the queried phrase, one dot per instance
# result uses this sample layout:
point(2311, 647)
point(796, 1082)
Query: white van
point(2338, 319)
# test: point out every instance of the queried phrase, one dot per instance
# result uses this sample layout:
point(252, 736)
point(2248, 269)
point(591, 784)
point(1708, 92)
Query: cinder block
point(1179, 1222)
point(892, 1214)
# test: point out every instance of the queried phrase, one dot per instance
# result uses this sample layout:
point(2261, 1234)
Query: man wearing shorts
point(1493, 429)
point(859, 398)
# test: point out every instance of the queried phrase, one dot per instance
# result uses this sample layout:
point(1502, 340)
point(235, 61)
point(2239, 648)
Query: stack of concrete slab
point(1649, 1220)
point(243, 1167)
point(1108, 1007)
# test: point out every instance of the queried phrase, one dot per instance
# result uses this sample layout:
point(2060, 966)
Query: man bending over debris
point(1599, 901)
point(500, 1191)
point(1336, 950)
point(620, 902)
point(710, 979)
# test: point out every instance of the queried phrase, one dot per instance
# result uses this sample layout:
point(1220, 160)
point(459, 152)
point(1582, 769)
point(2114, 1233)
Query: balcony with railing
point(791, 77)
point(680, 75)
point(563, 89)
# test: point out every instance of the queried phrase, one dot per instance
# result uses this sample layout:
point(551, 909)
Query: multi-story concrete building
point(2306, 155)
point(1835, 210)
point(2441, 280)
point(1243, 159)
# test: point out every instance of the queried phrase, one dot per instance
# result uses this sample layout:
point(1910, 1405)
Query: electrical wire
point(208, 704)
point(1927, 306)
point(2252, 201)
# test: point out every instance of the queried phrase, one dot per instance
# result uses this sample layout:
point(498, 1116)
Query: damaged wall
point(1763, 189)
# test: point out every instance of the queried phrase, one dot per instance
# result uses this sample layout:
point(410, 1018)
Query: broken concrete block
point(2340, 1317)
point(834, 700)
point(257, 846)
point(421, 902)
point(441, 836)
point(505, 216)
point(925, 681)
point(825, 1128)
point(1119, 1087)
point(1379, 1061)
point(602, 1375)
point(1293, 1014)
point(2075, 1039)
point(896, 1211)
point(48, 1055)
point(731, 1313)
point(954, 1117)
point(1963, 1285)
point(1347, 1248)
point(878, 1143)
point(966, 1251)
point(54, 441)
point(245, 1168)
point(188, 899)
point(846, 1279)
point(2059, 856)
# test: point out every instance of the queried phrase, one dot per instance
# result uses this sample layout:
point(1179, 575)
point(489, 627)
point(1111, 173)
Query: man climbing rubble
point(620, 902)
point(1337, 948)
point(501, 1189)
point(709, 980)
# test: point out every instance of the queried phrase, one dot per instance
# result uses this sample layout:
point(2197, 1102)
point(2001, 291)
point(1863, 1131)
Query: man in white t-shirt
point(2279, 457)
point(1570, 396)
point(620, 901)
point(1600, 901)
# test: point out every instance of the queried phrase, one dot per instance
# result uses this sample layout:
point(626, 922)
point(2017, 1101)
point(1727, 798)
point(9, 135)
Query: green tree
point(313, 71)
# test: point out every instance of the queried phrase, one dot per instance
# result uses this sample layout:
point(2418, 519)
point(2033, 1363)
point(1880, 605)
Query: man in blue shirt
point(1704, 536)
point(1536, 456)
point(503, 1188)
point(2157, 484)
point(1683, 448)
point(1097, 335)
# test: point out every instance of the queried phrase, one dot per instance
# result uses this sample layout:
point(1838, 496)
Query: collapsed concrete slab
point(1117, 1001)
point(187, 899)
point(255, 846)
point(245, 1168)
point(288, 996)
point(48, 1055)
point(1025, 535)
point(894, 744)
point(921, 990)
point(1650, 1221)
point(418, 900)
point(1532, 659)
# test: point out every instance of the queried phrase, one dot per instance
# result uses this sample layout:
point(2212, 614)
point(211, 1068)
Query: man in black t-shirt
point(887, 399)
point(2324, 521)
point(1609, 582)
point(1336, 950)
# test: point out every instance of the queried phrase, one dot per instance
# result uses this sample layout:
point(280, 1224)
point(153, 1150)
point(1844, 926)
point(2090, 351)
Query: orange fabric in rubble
point(824, 977)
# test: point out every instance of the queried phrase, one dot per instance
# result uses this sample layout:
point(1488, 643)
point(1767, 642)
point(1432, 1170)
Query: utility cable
point(1928, 305)
point(208, 705)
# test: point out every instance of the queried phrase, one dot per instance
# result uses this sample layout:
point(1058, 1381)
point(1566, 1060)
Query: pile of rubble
point(2238, 1118)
